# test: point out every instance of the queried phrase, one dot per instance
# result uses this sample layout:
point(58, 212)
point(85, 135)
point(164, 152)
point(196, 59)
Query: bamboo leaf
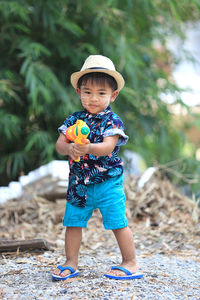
point(72, 27)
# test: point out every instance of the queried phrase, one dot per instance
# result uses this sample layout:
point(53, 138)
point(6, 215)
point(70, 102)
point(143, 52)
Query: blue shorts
point(109, 197)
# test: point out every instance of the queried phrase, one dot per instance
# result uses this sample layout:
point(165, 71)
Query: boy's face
point(95, 98)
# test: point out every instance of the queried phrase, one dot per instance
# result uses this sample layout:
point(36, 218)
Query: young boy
point(96, 181)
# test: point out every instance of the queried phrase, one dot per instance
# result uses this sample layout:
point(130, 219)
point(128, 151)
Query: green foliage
point(43, 42)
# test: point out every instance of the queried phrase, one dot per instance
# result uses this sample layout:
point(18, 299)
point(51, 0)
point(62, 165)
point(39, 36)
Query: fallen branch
point(23, 245)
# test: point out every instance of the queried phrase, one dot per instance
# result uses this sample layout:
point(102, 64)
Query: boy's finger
point(87, 141)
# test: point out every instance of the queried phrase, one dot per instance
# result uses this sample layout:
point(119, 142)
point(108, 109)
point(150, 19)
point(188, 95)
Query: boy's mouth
point(93, 106)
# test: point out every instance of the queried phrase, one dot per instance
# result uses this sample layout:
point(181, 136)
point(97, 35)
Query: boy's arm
point(97, 149)
point(64, 147)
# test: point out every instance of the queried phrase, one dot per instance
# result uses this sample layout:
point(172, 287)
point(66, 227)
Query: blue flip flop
point(58, 277)
point(129, 275)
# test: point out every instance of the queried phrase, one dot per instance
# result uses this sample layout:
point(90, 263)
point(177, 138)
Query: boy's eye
point(102, 93)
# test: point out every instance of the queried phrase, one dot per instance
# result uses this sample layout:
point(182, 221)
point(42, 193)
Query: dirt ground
point(166, 230)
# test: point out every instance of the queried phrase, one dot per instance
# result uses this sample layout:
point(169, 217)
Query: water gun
point(78, 133)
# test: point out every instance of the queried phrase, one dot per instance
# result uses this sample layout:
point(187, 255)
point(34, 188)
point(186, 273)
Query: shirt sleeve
point(115, 126)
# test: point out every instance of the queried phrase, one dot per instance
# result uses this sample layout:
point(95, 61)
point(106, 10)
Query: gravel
point(27, 276)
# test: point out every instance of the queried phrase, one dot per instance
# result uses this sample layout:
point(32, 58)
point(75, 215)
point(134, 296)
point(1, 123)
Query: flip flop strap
point(127, 272)
point(61, 268)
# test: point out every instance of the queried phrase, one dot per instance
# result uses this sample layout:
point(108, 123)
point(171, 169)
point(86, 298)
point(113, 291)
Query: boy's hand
point(71, 152)
point(81, 150)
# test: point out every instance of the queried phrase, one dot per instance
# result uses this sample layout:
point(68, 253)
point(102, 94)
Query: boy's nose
point(94, 97)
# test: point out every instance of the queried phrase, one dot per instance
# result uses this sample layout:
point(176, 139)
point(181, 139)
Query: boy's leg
point(126, 244)
point(73, 237)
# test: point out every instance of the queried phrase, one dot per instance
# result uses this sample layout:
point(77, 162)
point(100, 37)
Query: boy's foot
point(124, 271)
point(64, 273)
point(74, 273)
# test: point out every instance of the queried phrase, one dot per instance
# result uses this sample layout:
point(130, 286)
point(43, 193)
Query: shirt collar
point(99, 115)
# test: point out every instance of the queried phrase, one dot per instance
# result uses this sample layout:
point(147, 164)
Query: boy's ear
point(114, 95)
point(78, 92)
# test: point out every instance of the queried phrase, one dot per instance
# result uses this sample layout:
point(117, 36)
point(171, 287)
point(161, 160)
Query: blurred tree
point(43, 42)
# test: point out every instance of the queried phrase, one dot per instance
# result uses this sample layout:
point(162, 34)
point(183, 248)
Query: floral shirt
point(94, 169)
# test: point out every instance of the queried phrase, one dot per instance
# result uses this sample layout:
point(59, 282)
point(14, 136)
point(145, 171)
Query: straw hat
point(98, 63)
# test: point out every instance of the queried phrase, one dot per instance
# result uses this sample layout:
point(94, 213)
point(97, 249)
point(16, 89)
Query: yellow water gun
point(78, 133)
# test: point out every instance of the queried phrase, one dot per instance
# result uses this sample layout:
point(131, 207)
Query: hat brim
point(116, 75)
